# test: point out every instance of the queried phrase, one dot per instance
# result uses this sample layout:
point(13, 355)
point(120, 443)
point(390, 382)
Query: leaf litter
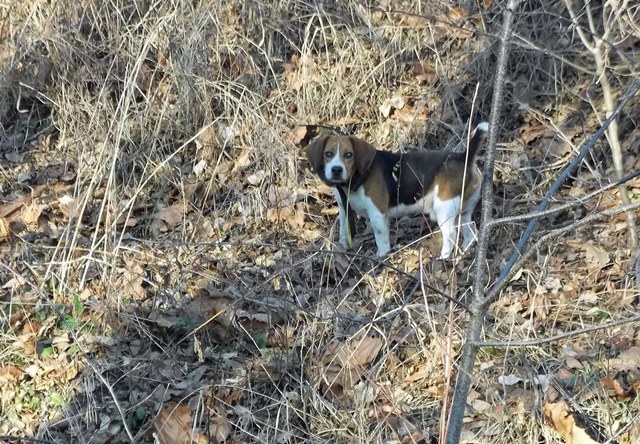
point(205, 297)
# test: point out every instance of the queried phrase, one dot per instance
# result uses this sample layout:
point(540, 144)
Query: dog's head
point(336, 159)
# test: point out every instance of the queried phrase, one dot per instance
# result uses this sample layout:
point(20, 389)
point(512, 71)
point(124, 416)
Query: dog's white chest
point(359, 202)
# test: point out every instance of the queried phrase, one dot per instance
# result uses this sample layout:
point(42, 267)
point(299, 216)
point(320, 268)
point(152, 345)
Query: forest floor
point(168, 263)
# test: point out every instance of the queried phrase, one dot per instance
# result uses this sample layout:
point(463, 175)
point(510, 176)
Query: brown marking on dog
point(450, 181)
point(364, 155)
point(315, 154)
point(376, 189)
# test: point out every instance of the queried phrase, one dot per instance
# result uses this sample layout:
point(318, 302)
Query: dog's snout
point(336, 170)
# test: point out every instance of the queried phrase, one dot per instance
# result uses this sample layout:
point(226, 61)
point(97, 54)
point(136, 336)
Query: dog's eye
point(348, 155)
point(328, 154)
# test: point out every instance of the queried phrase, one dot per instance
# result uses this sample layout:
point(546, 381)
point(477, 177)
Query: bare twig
point(569, 334)
point(598, 49)
point(577, 202)
point(636, 269)
point(7, 438)
point(478, 306)
point(560, 180)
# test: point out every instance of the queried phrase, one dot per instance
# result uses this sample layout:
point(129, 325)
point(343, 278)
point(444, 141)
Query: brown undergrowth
point(167, 259)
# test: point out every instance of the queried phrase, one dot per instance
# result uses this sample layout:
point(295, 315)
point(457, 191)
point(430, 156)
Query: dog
point(381, 184)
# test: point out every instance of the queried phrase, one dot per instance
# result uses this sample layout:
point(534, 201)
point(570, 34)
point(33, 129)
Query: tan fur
point(315, 153)
point(450, 180)
point(376, 189)
point(364, 154)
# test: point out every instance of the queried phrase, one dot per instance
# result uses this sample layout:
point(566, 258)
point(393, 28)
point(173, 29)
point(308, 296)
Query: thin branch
point(560, 180)
point(530, 45)
point(498, 286)
point(583, 37)
point(599, 51)
point(478, 305)
point(568, 334)
point(577, 202)
point(22, 439)
point(636, 269)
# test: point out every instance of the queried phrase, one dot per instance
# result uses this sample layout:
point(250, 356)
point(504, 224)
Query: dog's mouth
point(337, 179)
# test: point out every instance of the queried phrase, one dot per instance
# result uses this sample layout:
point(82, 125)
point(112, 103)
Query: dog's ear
point(315, 154)
point(365, 153)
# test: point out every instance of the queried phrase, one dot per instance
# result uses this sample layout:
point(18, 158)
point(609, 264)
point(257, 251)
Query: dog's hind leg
point(447, 215)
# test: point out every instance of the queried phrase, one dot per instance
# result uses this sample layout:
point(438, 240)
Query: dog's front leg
point(345, 239)
point(380, 225)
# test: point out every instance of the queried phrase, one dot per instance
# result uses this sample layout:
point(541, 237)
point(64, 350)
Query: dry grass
point(154, 143)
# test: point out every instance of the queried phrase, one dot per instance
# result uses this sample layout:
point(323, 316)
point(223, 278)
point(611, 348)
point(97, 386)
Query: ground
point(169, 268)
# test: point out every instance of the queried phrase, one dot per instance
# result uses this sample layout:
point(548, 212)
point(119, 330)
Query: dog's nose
point(336, 170)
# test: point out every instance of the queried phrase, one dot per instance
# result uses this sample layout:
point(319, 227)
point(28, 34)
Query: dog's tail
point(476, 138)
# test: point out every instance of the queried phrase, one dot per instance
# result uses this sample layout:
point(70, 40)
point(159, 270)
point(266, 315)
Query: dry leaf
point(509, 379)
point(411, 113)
point(166, 218)
point(174, 425)
point(219, 426)
point(129, 281)
point(559, 416)
point(344, 363)
point(14, 157)
point(424, 72)
point(199, 168)
point(11, 373)
point(531, 131)
point(481, 406)
point(298, 134)
point(618, 388)
point(596, 257)
point(17, 215)
point(395, 102)
point(212, 305)
point(70, 207)
point(573, 363)
point(15, 282)
point(627, 360)
point(292, 217)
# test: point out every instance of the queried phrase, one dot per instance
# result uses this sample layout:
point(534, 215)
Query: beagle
point(380, 184)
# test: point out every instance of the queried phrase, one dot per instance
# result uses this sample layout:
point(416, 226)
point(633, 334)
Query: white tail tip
point(483, 127)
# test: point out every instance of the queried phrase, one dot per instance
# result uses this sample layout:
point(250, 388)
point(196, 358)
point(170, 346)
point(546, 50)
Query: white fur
point(469, 234)
point(483, 126)
point(445, 212)
point(422, 206)
point(344, 223)
point(364, 206)
point(336, 160)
